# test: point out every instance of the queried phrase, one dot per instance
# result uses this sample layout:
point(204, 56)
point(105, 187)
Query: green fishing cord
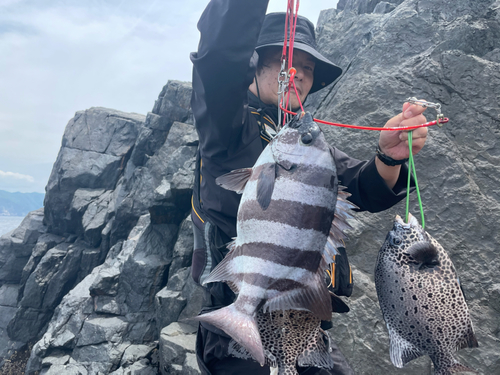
point(411, 167)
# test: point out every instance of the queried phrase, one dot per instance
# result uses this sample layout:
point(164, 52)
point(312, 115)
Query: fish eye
point(396, 240)
point(306, 138)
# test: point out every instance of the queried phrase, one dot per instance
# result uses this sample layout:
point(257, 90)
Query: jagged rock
point(45, 242)
point(177, 342)
point(101, 329)
point(424, 49)
point(141, 367)
point(16, 247)
point(95, 148)
point(120, 189)
point(8, 309)
point(157, 187)
point(124, 285)
point(173, 104)
point(383, 7)
point(135, 353)
point(183, 249)
point(181, 299)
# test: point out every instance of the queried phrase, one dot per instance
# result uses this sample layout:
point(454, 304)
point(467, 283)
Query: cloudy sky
point(59, 57)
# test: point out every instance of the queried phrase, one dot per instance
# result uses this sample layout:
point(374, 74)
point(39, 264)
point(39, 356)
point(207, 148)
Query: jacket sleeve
point(223, 68)
point(369, 190)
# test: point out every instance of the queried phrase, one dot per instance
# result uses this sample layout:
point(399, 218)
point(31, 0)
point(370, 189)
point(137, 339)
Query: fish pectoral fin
point(240, 326)
point(222, 272)
point(401, 350)
point(265, 185)
point(317, 351)
point(469, 340)
point(425, 253)
point(235, 180)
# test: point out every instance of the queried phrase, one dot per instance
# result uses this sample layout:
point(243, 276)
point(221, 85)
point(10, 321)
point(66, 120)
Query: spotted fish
point(421, 299)
point(290, 220)
point(289, 338)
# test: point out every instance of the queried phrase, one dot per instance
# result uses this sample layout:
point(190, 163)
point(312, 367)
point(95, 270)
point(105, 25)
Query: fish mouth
point(412, 221)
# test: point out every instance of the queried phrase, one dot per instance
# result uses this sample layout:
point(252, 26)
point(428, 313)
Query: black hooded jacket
point(227, 119)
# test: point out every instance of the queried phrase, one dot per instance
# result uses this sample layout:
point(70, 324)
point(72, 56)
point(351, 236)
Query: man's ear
point(253, 85)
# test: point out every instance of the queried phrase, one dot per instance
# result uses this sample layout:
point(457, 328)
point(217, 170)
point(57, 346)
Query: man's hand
point(395, 143)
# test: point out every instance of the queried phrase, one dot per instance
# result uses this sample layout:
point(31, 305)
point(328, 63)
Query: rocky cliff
point(96, 282)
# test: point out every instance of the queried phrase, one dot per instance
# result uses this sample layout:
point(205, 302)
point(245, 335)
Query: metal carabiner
point(425, 104)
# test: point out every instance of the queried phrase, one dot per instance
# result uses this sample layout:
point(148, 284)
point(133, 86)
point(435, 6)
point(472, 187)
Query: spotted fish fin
point(265, 185)
point(424, 252)
point(314, 298)
point(240, 326)
point(317, 352)
point(468, 340)
point(401, 351)
point(235, 180)
point(339, 225)
point(456, 368)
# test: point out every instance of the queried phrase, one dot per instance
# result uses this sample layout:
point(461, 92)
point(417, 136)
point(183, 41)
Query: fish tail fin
point(240, 326)
point(456, 368)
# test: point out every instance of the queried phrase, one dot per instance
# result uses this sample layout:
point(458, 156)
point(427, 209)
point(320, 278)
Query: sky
point(62, 56)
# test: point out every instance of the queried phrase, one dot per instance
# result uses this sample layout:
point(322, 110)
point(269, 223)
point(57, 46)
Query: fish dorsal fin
point(424, 252)
point(401, 351)
point(235, 180)
point(339, 225)
point(265, 185)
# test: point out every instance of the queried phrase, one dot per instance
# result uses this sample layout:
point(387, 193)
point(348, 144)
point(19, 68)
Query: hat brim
point(325, 72)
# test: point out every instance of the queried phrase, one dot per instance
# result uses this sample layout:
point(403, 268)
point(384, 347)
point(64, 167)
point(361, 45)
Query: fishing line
point(411, 168)
point(287, 76)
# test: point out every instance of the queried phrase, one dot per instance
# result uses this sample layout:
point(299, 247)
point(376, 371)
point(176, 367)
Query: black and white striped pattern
point(285, 231)
point(278, 251)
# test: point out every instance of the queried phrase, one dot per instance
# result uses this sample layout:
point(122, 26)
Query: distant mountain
point(19, 204)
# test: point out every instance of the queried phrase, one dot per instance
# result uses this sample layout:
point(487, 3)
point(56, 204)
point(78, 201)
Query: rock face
point(446, 52)
point(99, 279)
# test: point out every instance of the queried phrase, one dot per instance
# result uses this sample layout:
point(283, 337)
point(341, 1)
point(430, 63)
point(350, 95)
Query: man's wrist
point(387, 160)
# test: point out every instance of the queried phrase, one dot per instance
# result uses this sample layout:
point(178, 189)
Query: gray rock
point(99, 330)
point(120, 192)
point(135, 353)
point(56, 359)
point(16, 246)
point(45, 242)
point(9, 294)
point(176, 341)
point(70, 369)
point(169, 305)
point(383, 8)
point(183, 249)
point(54, 276)
point(423, 49)
point(95, 148)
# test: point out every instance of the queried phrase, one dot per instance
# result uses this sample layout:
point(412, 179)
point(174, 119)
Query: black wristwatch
point(387, 160)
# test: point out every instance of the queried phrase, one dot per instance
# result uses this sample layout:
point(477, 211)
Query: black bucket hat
point(272, 34)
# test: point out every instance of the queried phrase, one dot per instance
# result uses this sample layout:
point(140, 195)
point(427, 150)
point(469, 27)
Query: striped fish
point(286, 237)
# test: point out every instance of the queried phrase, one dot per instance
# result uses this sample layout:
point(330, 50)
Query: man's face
point(267, 77)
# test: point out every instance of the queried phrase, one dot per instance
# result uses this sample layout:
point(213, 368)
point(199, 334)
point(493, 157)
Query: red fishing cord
point(291, 20)
point(412, 127)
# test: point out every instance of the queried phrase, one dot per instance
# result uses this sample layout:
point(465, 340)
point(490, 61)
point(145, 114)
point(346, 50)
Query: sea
point(8, 223)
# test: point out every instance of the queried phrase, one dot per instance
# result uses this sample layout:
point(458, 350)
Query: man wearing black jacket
point(235, 85)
